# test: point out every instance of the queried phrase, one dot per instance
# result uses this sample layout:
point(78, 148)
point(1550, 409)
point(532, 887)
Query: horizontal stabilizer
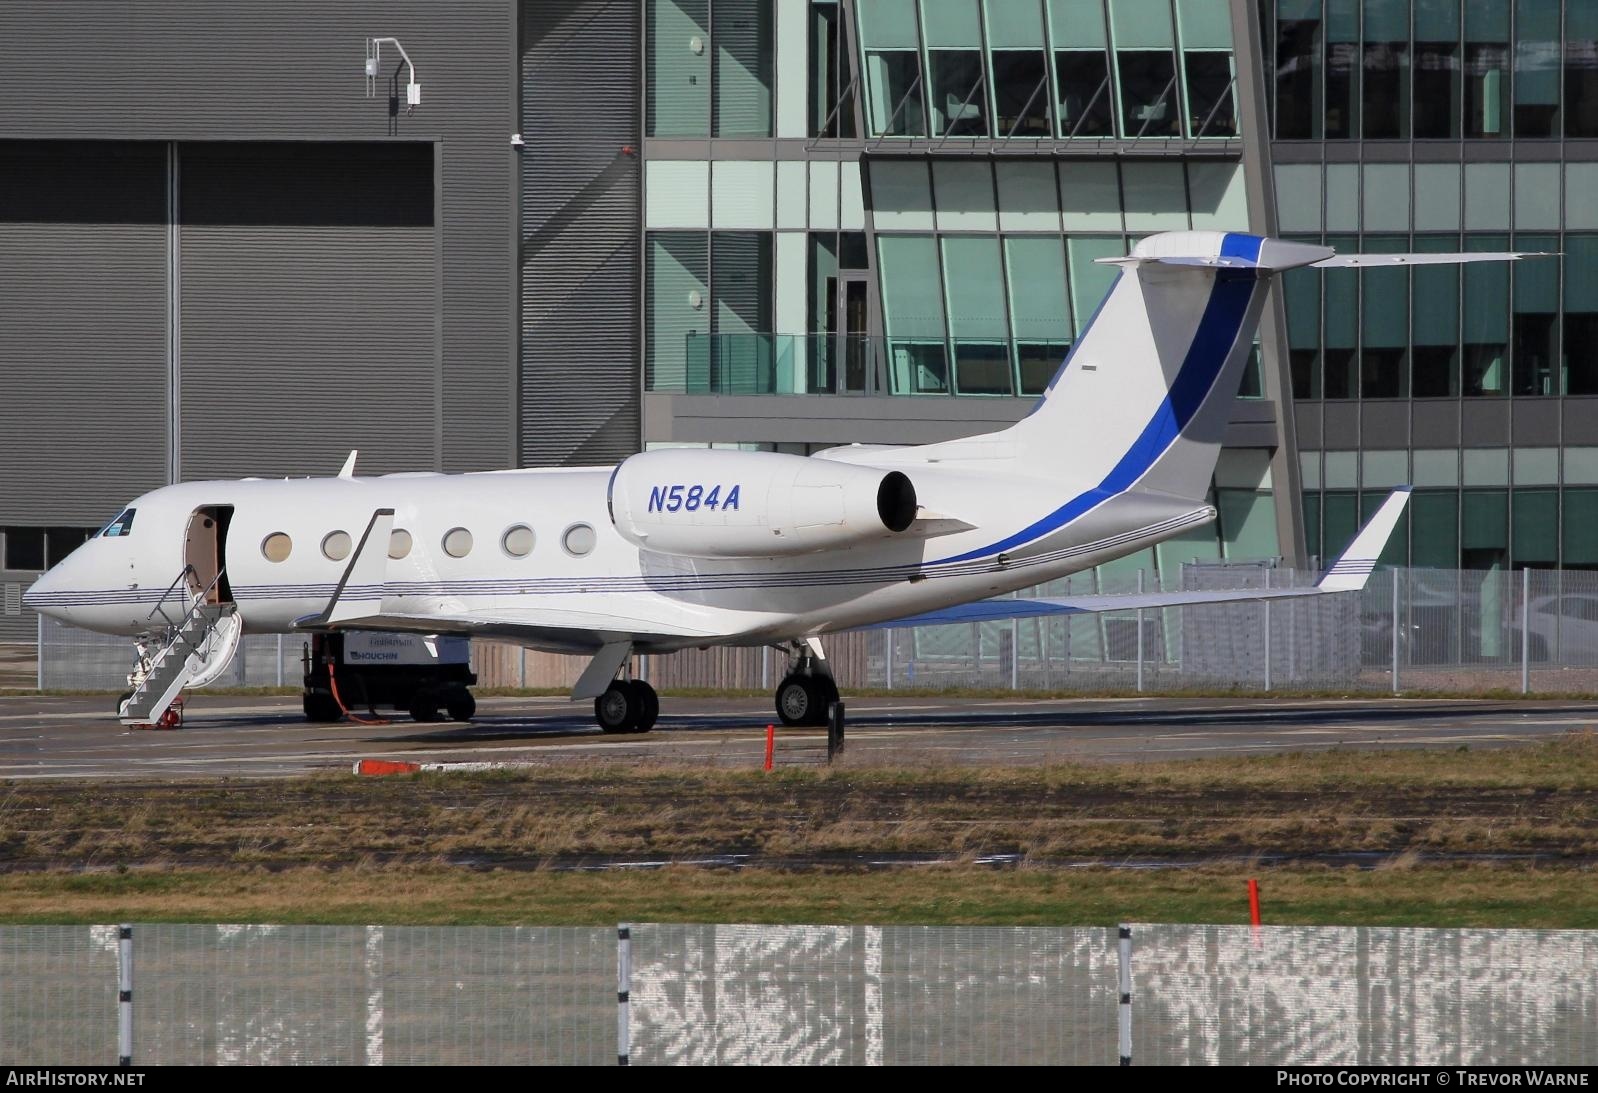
point(1237, 251)
point(1367, 261)
point(1348, 574)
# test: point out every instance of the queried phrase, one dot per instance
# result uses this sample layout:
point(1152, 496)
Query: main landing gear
point(627, 706)
point(807, 690)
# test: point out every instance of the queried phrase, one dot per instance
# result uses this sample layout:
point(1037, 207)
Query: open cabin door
point(205, 552)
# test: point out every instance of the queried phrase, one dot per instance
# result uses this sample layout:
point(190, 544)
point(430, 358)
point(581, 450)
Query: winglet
point(1350, 572)
point(348, 470)
point(364, 576)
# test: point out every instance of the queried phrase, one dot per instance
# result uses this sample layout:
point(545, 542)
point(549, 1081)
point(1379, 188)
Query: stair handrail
point(160, 604)
point(195, 604)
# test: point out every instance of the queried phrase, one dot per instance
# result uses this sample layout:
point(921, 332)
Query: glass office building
point(894, 207)
point(1442, 126)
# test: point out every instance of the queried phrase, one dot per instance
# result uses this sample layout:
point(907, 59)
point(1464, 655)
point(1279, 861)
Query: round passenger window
point(336, 546)
point(399, 543)
point(578, 540)
point(276, 547)
point(518, 541)
point(457, 542)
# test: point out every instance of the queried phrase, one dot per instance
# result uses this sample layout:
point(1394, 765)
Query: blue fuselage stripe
point(1217, 332)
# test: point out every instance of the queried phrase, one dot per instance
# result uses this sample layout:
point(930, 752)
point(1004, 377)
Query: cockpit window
point(122, 525)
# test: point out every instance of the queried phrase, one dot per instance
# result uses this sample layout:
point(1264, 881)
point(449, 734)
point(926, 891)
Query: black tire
point(122, 698)
point(616, 710)
point(321, 708)
point(424, 707)
point(796, 700)
point(460, 705)
point(648, 704)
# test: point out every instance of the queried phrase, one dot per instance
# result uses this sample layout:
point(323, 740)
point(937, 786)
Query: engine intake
point(700, 503)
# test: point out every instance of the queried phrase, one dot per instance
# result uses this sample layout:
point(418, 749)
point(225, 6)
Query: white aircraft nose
point(50, 594)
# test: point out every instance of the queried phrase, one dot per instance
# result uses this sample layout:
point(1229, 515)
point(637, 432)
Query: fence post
point(1015, 654)
point(1525, 630)
point(1395, 630)
point(1267, 605)
point(280, 660)
point(1124, 959)
point(624, 986)
point(887, 660)
point(1140, 635)
point(765, 667)
point(125, 995)
point(38, 656)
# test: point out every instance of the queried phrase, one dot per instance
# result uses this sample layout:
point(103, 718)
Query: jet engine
point(701, 503)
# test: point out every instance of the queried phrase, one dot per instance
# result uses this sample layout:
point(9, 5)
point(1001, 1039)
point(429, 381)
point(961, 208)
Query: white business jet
point(681, 548)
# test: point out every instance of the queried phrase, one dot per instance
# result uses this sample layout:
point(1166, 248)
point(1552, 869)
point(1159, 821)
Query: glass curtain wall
point(1145, 67)
point(895, 93)
point(1581, 70)
point(708, 305)
point(1437, 70)
point(1018, 68)
point(1035, 68)
point(1580, 354)
point(1385, 82)
point(1205, 31)
point(709, 68)
point(831, 113)
point(1432, 69)
point(952, 31)
point(1487, 330)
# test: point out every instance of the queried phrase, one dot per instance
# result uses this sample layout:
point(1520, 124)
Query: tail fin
point(1143, 399)
point(1145, 395)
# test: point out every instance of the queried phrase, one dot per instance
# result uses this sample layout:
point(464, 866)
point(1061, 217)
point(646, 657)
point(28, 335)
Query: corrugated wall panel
point(310, 296)
point(83, 321)
point(191, 70)
point(580, 392)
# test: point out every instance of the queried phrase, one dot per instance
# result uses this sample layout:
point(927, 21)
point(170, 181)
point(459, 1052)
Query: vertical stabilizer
point(1144, 397)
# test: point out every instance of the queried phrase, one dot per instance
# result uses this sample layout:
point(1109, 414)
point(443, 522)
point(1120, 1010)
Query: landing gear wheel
point(424, 707)
point(320, 707)
point(797, 700)
point(647, 703)
point(122, 700)
point(617, 709)
point(803, 700)
point(459, 704)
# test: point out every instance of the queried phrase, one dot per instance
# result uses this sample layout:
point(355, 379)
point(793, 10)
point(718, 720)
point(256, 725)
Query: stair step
point(169, 667)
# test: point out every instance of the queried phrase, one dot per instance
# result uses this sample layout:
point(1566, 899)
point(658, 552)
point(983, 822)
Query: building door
point(852, 335)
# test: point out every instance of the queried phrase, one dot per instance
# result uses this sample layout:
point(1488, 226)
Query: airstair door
point(205, 552)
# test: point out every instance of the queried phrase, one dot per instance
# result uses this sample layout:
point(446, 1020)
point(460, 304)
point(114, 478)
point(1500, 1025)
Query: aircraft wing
point(1348, 574)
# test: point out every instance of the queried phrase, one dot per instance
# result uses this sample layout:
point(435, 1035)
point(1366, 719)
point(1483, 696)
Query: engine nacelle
point(702, 503)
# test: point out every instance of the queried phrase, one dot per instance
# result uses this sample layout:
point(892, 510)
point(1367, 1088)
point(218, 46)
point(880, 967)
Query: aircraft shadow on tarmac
point(576, 724)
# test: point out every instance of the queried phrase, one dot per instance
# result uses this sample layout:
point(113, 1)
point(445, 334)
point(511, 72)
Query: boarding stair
point(196, 642)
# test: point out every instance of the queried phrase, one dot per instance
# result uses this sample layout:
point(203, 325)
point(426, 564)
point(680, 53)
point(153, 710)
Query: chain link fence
point(1452, 631)
point(867, 995)
point(72, 659)
point(1367, 996)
